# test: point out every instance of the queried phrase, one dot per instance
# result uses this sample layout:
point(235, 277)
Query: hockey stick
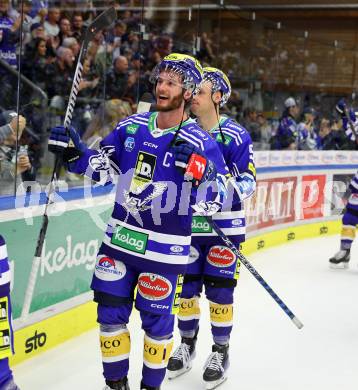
point(105, 19)
point(253, 271)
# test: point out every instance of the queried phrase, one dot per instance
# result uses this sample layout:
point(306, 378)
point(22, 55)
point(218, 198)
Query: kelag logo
point(130, 239)
point(38, 340)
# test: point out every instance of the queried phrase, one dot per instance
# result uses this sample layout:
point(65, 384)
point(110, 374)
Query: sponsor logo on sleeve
point(109, 269)
point(227, 141)
point(130, 239)
point(129, 144)
point(132, 129)
point(221, 256)
point(154, 287)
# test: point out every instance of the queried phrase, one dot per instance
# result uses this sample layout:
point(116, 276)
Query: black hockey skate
point(182, 359)
point(216, 366)
point(340, 260)
point(121, 384)
point(145, 387)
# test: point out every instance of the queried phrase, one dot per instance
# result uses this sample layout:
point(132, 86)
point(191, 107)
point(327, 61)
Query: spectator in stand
point(86, 90)
point(286, 136)
point(117, 79)
point(164, 45)
point(306, 134)
point(8, 123)
point(16, 14)
point(116, 37)
point(78, 27)
point(265, 129)
point(65, 30)
point(39, 7)
point(9, 34)
point(40, 62)
point(60, 73)
point(106, 118)
point(251, 125)
point(72, 43)
point(51, 24)
point(332, 136)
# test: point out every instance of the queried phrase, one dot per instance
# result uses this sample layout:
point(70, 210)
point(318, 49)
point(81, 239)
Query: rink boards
point(294, 201)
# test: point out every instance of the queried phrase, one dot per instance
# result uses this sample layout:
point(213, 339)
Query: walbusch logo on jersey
point(221, 256)
point(154, 287)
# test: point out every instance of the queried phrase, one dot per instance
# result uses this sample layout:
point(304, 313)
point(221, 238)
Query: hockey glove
point(66, 142)
point(191, 161)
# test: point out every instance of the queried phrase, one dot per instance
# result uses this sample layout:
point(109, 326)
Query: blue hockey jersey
point(5, 277)
point(353, 198)
point(7, 41)
point(238, 155)
point(151, 220)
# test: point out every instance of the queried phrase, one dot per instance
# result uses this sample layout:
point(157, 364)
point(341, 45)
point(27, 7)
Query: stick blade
point(105, 19)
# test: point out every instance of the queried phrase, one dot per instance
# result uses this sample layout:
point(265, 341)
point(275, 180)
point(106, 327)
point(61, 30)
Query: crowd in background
point(116, 73)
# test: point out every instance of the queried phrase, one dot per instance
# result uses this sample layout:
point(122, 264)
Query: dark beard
point(175, 104)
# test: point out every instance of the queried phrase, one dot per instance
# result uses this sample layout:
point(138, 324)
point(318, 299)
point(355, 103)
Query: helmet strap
point(216, 107)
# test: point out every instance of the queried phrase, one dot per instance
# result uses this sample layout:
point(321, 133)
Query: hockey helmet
point(220, 82)
point(186, 66)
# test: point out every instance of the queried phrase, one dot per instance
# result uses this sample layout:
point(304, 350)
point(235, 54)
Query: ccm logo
point(159, 306)
point(38, 340)
point(150, 145)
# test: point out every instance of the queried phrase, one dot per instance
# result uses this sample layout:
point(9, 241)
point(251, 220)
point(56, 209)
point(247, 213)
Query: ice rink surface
point(267, 352)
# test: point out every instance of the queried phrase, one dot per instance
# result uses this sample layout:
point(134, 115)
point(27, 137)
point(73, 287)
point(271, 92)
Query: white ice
point(267, 352)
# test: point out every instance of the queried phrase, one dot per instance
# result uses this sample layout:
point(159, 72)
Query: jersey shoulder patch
point(196, 130)
point(132, 123)
point(235, 131)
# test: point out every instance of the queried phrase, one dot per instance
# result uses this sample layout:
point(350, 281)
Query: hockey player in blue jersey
point(148, 237)
point(286, 136)
point(6, 332)
point(350, 217)
point(212, 264)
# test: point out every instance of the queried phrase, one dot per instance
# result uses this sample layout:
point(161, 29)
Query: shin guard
point(115, 348)
point(156, 353)
point(189, 315)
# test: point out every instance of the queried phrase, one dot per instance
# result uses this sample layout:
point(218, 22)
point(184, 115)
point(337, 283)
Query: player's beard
point(174, 103)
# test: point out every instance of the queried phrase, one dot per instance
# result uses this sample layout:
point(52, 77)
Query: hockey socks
point(155, 359)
